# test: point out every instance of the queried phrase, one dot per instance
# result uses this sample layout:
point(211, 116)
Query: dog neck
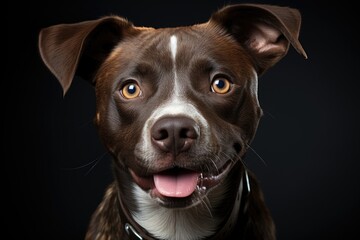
point(152, 221)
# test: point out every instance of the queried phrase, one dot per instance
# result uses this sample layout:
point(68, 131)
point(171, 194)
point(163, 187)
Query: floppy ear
point(265, 31)
point(80, 48)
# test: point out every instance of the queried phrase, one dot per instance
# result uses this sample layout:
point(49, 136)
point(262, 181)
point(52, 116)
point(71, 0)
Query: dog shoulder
point(105, 222)
point(259, 224)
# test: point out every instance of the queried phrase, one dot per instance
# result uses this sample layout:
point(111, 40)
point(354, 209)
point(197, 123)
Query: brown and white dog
point(177, 109)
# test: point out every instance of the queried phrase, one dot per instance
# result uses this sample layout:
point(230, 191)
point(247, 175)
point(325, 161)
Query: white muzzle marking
point(177, 105)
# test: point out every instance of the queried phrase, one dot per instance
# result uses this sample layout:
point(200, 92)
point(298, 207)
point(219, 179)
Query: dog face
point(176, 107)
point(196, 109)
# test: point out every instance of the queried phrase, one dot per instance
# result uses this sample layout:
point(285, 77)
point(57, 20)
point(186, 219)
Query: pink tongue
point(176, 184)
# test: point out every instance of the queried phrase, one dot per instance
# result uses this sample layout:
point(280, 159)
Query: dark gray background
point(308, 137)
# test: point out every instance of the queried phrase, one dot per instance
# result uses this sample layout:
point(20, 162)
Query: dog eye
point(221, 86)
point(130, 90)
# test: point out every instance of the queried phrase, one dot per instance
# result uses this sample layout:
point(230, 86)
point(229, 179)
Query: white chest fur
point(191, 223)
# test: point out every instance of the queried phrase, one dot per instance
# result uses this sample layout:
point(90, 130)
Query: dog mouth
point(180, 187)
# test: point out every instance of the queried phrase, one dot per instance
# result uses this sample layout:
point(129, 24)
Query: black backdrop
point(308, 137)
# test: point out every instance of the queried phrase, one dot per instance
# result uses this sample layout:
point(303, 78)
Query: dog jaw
point(165, 223)
point(195, 222)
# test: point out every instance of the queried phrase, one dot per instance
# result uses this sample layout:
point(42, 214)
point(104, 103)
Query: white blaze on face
point(173, 46)
point(176, 105)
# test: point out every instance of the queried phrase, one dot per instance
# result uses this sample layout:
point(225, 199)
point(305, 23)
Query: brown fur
point(244, 37)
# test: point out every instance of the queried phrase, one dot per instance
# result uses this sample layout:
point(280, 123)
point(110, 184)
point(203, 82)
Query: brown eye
point(221, 86)
point(130, 90)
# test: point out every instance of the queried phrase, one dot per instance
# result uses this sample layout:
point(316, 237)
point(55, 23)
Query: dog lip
point(145, 182)
point(211, 180)
point(206, 182)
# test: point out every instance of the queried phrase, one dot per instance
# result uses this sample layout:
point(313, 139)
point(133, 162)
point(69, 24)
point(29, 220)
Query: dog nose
point(174, 134)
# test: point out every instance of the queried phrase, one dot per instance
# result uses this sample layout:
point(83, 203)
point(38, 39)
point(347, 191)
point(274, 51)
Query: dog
point(177, 109)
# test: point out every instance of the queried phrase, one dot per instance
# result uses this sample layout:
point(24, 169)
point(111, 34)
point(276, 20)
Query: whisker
point(231, 158)
point(268, 113)
point(96, 162)
point(206, 203)
point(214, 163)
point(93, 163)
point(238, 158)
point(262, 160)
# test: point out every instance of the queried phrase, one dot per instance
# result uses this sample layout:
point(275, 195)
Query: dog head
point(176, 107)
